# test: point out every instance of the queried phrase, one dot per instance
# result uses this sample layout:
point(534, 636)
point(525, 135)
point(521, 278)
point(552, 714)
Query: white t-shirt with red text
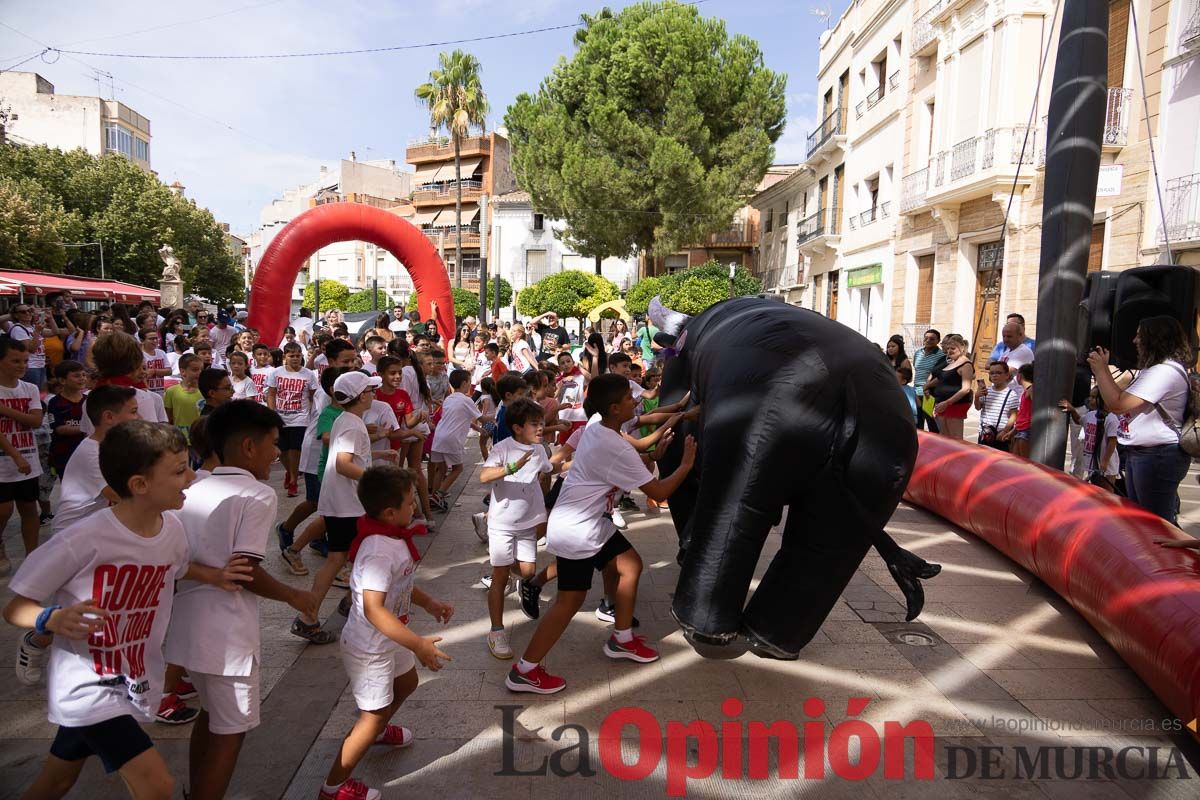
point(260, 376)
point(292, 395)
point(1166, 384)
point(119, 670)
point(23, 397)
point(155, 383)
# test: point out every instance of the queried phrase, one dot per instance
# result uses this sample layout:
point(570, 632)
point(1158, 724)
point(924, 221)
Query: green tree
point(466, 303)
point(652, 135)
point(506, 293)
point(333, 295)
point(569, 293)
point(455, 100)
point(84, 198)
point(361, 301)
point(690, 291)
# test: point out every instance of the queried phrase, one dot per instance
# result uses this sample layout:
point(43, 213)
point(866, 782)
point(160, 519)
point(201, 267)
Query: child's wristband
point(40, 625)
point(511, 468)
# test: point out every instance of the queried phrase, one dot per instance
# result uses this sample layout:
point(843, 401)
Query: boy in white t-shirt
point(261, 371)
point(21, 413)
point(83, 493)
point(290, 392)
point(349, 456)
point(459, 416)
point(157, 368)
point(109, 585)
point(379, 650)
point(214, 634)
point(514, 468)
point(581, 534)
point(1107, 462)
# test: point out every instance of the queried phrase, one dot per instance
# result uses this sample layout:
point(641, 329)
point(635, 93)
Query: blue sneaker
point(320, 546)
point(286, 537)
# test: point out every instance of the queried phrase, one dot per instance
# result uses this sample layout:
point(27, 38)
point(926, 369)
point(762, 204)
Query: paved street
point(995, 660)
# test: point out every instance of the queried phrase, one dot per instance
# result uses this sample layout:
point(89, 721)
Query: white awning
point(425, 174)
point(424, 218)
point(469, 215)
point(468, 167)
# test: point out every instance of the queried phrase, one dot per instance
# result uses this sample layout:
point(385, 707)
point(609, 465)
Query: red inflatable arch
point(1094, 549)
point(271, 292)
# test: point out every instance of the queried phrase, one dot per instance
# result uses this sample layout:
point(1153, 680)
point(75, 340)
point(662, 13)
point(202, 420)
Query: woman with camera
point(997, 405)
point(1152, 410)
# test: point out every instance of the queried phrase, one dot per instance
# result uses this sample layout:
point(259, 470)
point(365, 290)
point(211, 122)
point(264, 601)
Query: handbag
point(1189, 436)
point(989, 434)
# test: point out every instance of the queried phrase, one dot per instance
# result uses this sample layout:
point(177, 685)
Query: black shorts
point(575, 574)
point(340, 533)
point(291, 438)
point(116, 741)
point(23, 491)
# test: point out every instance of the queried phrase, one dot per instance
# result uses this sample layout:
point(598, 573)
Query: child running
point(581, 534)
point(459, 415)
point(290, 394)
point(94, 581)
point(379, 650)
point(514, 468)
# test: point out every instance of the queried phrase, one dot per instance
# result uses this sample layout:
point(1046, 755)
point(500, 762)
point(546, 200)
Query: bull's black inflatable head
point(797, 411)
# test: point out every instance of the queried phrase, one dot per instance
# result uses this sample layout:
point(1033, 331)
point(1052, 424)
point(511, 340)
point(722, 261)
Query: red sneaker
point(635, 650)
point(537, 680)
point(172, 711)
point(293, 489)
point(184, 690)
point(351, 790)
point(395, 736)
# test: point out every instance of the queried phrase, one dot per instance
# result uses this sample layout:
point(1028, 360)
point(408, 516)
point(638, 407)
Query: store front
point(865, 285)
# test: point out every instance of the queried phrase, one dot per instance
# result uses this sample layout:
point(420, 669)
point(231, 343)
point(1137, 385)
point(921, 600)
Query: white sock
point(625, 636)
point(330, 789)
point(525, 667)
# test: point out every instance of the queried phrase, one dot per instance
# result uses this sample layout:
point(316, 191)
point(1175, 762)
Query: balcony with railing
point(924, 35)
point(470, 235)
point(445, 193)
point(912, 190)
point(1183, 212)
point(740, 234)
point(1116, 118)
point(973, 168)
point(1189, 34)
point(440, 148)
point(819, 231)
point(828, 136)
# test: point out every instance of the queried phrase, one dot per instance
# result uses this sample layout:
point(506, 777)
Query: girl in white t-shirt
point(239, 376)
point(1152, 411)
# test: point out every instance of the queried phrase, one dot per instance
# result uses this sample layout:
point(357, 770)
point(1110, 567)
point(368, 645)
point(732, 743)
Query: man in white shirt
point(1013, 350)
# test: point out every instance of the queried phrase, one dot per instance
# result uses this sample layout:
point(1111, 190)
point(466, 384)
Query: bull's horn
point(665, 319)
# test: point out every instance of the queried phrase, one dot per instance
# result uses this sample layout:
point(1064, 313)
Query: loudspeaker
point(1095, 319)
point(1149, 292)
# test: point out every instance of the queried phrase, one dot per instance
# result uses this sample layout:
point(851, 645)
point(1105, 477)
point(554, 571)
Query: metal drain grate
point(915, 639)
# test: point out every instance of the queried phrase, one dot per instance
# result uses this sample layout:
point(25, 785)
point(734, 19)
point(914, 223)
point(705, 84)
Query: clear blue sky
point(237, 133)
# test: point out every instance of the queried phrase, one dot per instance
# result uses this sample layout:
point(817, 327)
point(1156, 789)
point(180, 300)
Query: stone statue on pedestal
point(171, 283)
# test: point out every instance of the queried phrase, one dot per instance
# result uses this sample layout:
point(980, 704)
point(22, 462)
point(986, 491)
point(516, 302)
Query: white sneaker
point(480, 522)
point(342, 579)
point(486, 580)
point(498, 644)
point(31, 660)
point(619, 519)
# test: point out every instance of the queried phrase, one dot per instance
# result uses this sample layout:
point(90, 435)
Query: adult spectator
point(426, 328)
point(461, 355)
point(952, 389)
point(333, 318)
point(303, 325)
point(521, 355)
point(31, 326)
point(1001, 348)
point(646, 332)
point(1012, 349)
point(399, 323)
point(1151, 413)
point(619, 334)
point(895, 353)
point(927, 363)
point(997, 405)
point(194, 309)
point(554, 335)
point(531, 336)
point(221, 336)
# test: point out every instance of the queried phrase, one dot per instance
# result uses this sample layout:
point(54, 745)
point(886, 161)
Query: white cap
point(352, 384)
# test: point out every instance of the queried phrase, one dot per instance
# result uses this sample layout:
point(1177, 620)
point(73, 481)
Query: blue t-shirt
point(502, 431)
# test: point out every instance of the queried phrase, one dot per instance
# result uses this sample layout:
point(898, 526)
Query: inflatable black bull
point(799, 411)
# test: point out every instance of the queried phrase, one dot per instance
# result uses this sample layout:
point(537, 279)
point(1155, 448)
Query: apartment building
point(1179, 148)
point(485, 168)
point(37, 115)
point(356, 264)
point(971, 154)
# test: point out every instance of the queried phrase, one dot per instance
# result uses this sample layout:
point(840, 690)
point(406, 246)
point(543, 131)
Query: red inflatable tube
point(1093, 548)
point(271, 293)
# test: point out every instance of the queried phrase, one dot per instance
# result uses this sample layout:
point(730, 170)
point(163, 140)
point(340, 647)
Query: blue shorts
point(1021, 434)
point(312, 487)
point(116, 741)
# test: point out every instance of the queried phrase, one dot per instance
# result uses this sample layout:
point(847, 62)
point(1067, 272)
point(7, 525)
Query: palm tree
point(456, 102)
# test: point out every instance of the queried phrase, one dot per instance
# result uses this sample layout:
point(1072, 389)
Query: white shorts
point(231, 700)
point(372, 674)
point(505, 547)
point(449, 459)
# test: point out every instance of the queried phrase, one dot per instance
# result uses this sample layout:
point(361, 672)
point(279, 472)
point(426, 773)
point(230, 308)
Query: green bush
point(570, 293)
point(690, 291)
point(333, 295)
point(361, 301)
point(466, 302)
